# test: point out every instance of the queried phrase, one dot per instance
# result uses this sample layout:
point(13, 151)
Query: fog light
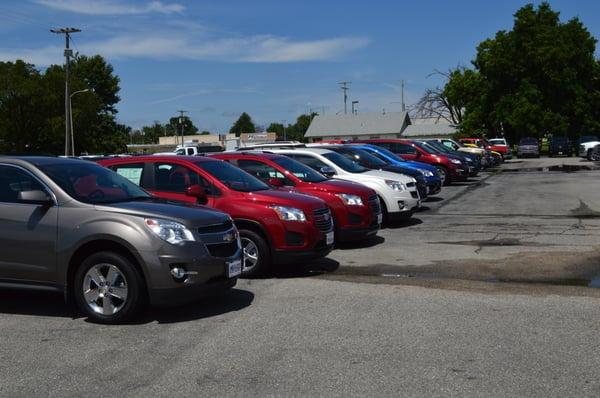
point(178, 273)
point(401, 204)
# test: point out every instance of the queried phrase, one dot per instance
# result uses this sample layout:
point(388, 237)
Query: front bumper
point(434, 188)
point(353, 234)
point(283, 257)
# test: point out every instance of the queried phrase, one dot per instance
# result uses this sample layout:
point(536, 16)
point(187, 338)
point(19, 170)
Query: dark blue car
point(431, 173)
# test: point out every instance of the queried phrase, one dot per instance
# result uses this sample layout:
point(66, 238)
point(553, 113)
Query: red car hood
point(286, 198)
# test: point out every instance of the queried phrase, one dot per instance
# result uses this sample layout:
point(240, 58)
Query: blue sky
point(272, 59)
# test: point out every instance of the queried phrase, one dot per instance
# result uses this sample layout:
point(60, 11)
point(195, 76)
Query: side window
point(13, 181)
point(190, 151)
point(405, 149)
point(180, 152)
point(169, 177)
point(309, 161)
point(262, 171)
point(133, 172)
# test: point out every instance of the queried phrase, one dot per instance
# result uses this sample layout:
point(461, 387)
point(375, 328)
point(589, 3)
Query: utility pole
point(345, 88)
point(403, 105)
point(181, 120)
point(68, 54)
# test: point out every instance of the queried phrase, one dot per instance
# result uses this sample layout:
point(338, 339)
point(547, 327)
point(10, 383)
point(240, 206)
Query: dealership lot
point(484, 293)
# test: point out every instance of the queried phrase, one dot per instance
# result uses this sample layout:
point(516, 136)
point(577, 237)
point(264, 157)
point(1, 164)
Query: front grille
point(375, 204)
point(215, 228)
point(323, 220)
point(414, 194)
point(223, 249)
point(410, 184)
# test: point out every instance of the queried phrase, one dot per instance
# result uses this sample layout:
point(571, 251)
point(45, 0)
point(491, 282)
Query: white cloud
point(108, 7)
point(39, 57)
point(261, 48)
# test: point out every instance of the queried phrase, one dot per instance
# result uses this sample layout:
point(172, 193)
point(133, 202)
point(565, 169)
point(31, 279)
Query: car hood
point(388, 176)
point(283, 197)
point(188, 214)
point(409, 171)
point(340, 186)
point(419, 165)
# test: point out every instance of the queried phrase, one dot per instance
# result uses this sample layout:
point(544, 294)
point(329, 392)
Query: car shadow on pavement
point(361, 244)
point(304, 270)
point(51, 304)
point(234, 300)
point(433, 199)
point(403, 223)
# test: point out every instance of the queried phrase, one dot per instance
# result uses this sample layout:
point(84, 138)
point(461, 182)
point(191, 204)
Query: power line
point(345, 88)
point(69, 149)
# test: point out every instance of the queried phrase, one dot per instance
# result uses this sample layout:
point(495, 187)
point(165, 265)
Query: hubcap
point(250, 255)
point(105, 289)
point(442, 175)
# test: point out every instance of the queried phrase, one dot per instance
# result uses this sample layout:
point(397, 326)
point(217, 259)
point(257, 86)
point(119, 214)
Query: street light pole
point(71, 117)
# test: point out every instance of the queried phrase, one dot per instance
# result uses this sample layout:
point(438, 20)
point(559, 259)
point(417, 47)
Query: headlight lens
point(396, 185)
point(289, 213)
point(170, 231)
point(350, 200)
point(455, 161)
point(426, 173)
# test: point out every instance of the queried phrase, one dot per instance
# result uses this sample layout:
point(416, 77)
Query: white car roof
point(319, 151)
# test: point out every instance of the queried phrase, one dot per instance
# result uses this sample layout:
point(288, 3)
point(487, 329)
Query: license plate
point(329, 238)
point(234, 268)
point(379, 218)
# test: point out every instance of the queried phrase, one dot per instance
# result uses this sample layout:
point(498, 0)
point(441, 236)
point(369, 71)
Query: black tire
point(384, 213)
point(444, 175)
point(264, 253)
point(589, 154)
point(131, 278)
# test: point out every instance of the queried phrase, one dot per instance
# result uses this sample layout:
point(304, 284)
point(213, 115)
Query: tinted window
point(364, 158)
point(427, 148)
point(262, 171)
point(91, 183)
point(300, 170)
point(310, 161)
point(439, 147)
point(232, 177)
point(385, 154)
point(13, 181)
point(171, 177)
point(405, 149)
point(344, 163)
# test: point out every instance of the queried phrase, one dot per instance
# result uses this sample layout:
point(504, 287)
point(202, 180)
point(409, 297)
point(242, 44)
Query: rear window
point(529, 141)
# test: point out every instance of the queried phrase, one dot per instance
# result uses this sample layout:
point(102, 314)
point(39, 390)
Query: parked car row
point(112, 233)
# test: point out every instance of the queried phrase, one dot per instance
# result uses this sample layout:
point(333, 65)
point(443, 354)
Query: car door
point(28, 231)
point(310, 161)
point(407, 151)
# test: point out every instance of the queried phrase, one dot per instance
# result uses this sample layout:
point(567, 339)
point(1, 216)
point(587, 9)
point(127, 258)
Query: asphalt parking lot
point(488, 292)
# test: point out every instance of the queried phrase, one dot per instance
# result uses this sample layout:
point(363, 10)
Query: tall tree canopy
point(244, 124)
point(32, 113)
point(537, 79)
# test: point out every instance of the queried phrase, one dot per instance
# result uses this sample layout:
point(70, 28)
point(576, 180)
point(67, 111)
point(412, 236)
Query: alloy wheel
point(251, 256)
point(105, 289)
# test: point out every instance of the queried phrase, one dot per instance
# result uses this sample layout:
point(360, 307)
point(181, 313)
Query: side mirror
point(327, 171)
point(198, 192)
point(275, 182)
point(35, 197)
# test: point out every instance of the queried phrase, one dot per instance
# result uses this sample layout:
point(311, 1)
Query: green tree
point(205, 132)
point(539, 78)
point(244, 124)
point(174, 126)
point(276, 128)
point(152, 133)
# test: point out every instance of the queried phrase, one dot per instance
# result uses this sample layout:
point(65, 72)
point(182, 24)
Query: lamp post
point(354, 103)
point(71, 117)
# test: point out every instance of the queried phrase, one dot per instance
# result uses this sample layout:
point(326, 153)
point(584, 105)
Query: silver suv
point(78, 228)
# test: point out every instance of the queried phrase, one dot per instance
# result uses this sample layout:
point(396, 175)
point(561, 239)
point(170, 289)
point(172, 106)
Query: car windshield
point(441, 147)
point(528, 141)
point(588, 138)
point(300, 170)
point(92, 183)
point(232, 177)
point(385, 154)
point(560, 139)
point(427, 148)
point(344, 163)
point(364, 158)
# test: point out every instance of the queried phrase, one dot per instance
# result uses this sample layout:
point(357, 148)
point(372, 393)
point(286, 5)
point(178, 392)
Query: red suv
point(275, 226)
point(451, 168)
point(355, 208)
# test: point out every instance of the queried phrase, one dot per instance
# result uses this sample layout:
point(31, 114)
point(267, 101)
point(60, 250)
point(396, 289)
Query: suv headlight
point(170, 231)
point(426, 173)
point(455, 161)
point(289, 213)
point(350, 200)
point(396, 185)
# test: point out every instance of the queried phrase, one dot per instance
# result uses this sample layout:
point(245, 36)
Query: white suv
point(397, 192)
point(586, 145)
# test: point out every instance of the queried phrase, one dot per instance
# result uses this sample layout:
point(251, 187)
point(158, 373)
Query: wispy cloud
point(108, 7)
point(206, 91)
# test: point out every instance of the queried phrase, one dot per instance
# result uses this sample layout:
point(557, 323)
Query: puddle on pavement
point(564, 168)
point(489, 242)
point(393, 274)
point(584, 211)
